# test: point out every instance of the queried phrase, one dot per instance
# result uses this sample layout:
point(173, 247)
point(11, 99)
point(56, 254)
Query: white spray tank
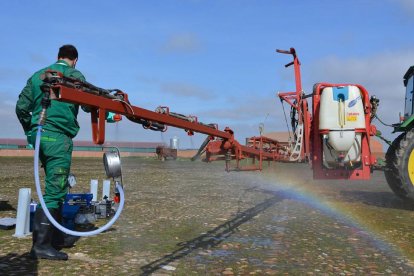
point(174, 143)
point(341, 112)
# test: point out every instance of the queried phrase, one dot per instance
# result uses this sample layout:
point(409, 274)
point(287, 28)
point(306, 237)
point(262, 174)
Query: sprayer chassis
point(311, 141)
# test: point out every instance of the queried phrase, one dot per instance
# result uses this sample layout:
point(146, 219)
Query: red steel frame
point(296, 100)
point(225, 145)
point(312, 141)
point(261, 148)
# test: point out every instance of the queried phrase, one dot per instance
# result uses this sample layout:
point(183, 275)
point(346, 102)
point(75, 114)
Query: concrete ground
point(193, 218)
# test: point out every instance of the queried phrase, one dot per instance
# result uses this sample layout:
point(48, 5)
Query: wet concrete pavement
point(185, 218)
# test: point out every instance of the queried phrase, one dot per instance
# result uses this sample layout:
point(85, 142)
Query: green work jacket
point(61, 117)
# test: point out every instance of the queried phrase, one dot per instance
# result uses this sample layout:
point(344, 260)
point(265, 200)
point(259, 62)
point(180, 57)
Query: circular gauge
point(71, 180)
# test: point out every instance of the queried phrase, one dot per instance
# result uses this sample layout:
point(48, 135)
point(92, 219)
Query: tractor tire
point(399, 172)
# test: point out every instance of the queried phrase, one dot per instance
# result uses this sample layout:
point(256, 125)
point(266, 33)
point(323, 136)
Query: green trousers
point(56, 157)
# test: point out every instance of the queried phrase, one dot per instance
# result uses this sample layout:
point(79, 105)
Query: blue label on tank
point(340, 93)
point(354, 101)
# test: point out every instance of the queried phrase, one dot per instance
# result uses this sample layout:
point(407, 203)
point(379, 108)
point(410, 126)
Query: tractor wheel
point(400, 166)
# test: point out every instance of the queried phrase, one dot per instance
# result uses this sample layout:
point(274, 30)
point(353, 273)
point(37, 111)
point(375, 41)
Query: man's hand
point(113, 117)
point(29, 139)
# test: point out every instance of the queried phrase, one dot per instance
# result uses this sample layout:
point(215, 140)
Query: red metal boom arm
point(99, 105)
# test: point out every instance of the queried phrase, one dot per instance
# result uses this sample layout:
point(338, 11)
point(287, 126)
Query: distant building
point(19, 147)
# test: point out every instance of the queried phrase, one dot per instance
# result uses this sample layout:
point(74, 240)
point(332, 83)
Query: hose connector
point(45, 87)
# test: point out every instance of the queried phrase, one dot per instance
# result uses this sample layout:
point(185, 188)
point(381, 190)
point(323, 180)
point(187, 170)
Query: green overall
point(60, 127)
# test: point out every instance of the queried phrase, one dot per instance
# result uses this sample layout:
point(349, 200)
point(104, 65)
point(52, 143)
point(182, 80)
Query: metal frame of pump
point(308, 144)
point(221, 144)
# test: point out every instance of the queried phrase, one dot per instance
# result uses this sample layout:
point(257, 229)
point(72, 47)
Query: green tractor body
point(400, 155)
point(408, 118)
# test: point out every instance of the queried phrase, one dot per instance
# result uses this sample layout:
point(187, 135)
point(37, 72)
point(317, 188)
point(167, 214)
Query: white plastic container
point(341, 112)
point(106, 188)
point(94, 189)
point(174, 143)
point(23, 213)
point(334, 115)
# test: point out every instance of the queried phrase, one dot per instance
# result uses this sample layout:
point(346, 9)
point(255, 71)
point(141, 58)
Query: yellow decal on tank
point(351, 118)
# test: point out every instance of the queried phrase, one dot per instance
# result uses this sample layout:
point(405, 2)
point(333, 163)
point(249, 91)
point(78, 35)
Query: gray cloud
point(178, 89)
point(407, 6)
point(148, 80)
point(10, 125)
point(7, 110)
point(182, 43)
point(185, 90)
point(381, 74)
point(249, 108)
point(10, 73)
point(244, 115)
point(39, 59)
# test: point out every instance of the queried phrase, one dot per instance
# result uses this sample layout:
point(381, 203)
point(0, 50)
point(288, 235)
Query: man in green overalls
point(56, 146)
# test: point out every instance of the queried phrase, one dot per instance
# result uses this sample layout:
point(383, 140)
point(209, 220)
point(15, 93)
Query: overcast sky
point(212, 59)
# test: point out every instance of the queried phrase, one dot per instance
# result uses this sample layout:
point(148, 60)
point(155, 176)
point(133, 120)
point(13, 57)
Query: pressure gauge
point(112, 164)
point(71, 180)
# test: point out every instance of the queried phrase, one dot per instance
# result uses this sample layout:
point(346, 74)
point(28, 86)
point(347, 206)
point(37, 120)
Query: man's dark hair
point(68, 51)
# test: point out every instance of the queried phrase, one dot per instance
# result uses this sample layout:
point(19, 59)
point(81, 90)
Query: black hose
point(388, 125)
point(201, 149)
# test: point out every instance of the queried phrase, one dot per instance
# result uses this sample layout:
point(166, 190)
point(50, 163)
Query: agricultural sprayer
point(335, 136)
point(333, 133)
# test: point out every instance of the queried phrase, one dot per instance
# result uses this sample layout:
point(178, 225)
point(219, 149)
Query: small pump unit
point(82, 209)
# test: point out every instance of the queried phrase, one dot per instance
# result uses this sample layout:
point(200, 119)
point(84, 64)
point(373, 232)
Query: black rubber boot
point(60, 239)
point(43, 232)
point(64, 240)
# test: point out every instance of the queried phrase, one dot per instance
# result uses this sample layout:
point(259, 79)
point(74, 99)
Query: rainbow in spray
point(305, 191)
